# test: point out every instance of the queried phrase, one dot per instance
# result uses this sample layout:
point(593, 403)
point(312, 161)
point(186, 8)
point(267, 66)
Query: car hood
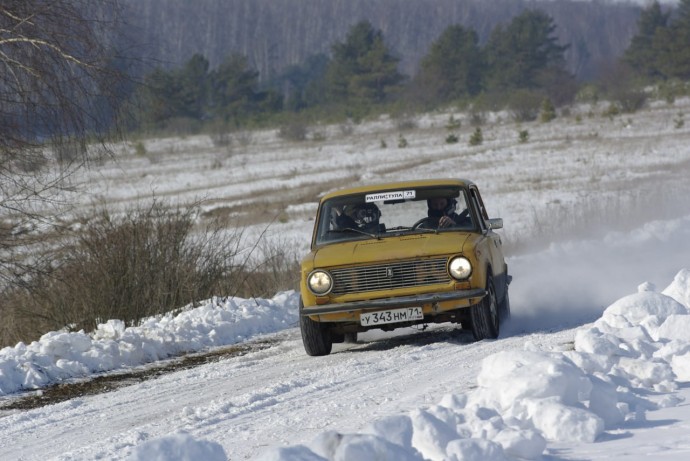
point(390, 249)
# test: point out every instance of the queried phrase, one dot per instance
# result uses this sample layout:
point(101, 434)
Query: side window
point(479, 205)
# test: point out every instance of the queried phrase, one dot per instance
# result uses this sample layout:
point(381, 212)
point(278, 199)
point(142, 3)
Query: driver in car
point(442, 210)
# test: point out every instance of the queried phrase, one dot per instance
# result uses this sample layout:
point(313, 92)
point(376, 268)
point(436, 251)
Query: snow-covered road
point(274, 396)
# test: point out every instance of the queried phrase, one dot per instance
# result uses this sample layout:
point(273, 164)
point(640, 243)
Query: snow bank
point(59, 356)
point(178, 447)
point(529, 398)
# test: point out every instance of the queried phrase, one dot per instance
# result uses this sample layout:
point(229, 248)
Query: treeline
point(521, 64)
point(661, 48)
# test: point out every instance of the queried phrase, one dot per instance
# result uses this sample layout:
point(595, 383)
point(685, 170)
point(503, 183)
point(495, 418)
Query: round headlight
point(320, 282)
point(460, 268)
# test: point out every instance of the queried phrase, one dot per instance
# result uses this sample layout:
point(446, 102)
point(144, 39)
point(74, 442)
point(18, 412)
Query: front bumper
point(392, 303)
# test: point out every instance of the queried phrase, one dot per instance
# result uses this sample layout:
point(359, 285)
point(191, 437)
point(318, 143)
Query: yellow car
point(402, 254)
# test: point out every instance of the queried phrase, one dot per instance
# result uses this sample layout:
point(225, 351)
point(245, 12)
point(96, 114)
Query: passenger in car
point(363, 216)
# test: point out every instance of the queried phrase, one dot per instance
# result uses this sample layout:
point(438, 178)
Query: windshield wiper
point(408, 228)
point(346, 229)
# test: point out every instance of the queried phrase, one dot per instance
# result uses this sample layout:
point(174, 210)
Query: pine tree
point(454, 66)
point(193, 87)
point(362, 69)
point(521, 52)
point(477, 138)
point(547, 112)
point(303, 84)
point(232, 89)
point(645, 50)
point(677, 62)
point(176, 93)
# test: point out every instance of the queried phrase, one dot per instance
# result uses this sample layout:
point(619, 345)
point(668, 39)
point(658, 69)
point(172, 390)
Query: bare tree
point(59, 88)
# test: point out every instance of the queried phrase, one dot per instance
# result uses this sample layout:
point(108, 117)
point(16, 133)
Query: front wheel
point(316, 337)
point(484, 315)
point(504, 308)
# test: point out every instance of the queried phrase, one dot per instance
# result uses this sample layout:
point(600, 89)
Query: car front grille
point(389, 276)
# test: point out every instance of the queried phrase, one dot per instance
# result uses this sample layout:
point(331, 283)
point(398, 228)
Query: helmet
point(365, 214)
point(446, 211)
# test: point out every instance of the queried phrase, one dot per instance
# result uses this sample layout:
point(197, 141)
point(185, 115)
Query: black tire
point(484, 320)
point(504, 308)
point(350, 338)
point(316, 337)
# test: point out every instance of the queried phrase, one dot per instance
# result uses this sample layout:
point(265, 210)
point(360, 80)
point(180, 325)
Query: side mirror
point(495, 223)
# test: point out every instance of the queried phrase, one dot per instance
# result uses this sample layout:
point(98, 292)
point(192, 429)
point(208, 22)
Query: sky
point(593, 364)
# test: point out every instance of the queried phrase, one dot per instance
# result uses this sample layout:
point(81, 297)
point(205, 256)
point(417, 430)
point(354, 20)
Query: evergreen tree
point(176, 93)
point(193, 87)
point(646, 49)
point(548, 112)
point(522, 54)
point(362, 70)
point(158, 97)
point(454, 66)
point(232, 89)
point(676, 63)
point(302, 84)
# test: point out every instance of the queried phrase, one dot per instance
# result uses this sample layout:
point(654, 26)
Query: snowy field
point(594, 364)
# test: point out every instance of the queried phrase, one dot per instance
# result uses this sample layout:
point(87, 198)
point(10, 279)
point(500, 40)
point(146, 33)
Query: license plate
point(391, 316)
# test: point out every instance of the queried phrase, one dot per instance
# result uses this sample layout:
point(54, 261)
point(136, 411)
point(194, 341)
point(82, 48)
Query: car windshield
point(387, 213)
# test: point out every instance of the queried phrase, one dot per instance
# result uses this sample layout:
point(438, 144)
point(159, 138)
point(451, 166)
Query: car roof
point(398, 185)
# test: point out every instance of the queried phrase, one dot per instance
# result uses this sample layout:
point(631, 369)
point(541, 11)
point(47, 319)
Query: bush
point(452, 139)
point(453, 123)
point(31, 161)
point(630, 100)
point(588, 93)
point(670, 90)
point(68, 151)
point(523, 136)
point(278, 269)
point(679, 121)
point(220, 134)
point(612, 110)
point(140, 149)
point(293, 131)
point(148, 262)
point(492, 101)
point(548, 112)
point(318, 137)
point(405, 121)
point(477, 137)
point(182, 126)
point(524, 105)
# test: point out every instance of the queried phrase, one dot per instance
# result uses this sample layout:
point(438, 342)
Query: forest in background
point(275, 34)
point(522, 66)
